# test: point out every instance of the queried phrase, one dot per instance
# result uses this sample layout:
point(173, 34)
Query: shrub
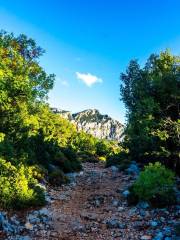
point(59, 158)
point(69, 153)
point(102, 148)
point(87, 157)
point(120, 159)
point(57, 177)
point(66, 159)
point(70, 162)
point(18, 189)
point(155, 185)
point(38, 172)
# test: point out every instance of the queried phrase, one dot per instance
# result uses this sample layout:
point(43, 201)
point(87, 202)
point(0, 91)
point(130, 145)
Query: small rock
point(2, 219)
point(72, 176)
point(154, 224)
point(97, 203)
point(114, 169)
point(120, 209)
point(89, 216)
point(146, 237)
point(133, 169)
point(162, 219)
point(14, 220)
point(81, 173)
point(112, 223)
point(33, 219)
point(53, 234)
point(115, 203)
point(78, 227)
point(142, 212)
point(143, 205)
point(122, 225)
point(48, 198)
point(44, 211)
point(167, 231)
point(139, 225)
point(24, 238)
point(133, 211)
point(159, 236)
point(126, 193)
point(28, 226)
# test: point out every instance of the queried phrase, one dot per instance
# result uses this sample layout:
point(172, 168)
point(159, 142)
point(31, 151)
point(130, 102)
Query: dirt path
point(89, 205)
point(95, 209)
point(92, 207)
point(84, 209)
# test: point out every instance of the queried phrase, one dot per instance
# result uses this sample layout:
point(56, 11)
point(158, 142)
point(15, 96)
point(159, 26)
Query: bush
point(87, 157)
point(102, 148)
point(38, 172)
point(57, 177)
point(70, 162)
point(120, 159)
point(66, 159)
point(155, 185)
point(18, 189)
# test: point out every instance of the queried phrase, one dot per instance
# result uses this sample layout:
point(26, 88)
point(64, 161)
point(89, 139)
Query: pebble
point(120, 209)
point(126, 193)
point(133, 168)
point(112, 223)
point(143, 205)
point(146, 237)
point(154, 224)
point(29, 226)
point(115, 203)
point(159, 236)
point(114, 169)
point(167, 231)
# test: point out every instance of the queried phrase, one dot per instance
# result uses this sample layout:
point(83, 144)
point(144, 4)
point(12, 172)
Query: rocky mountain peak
point(93, 122)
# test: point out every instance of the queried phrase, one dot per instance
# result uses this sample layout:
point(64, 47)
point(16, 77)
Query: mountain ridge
point(93, 122)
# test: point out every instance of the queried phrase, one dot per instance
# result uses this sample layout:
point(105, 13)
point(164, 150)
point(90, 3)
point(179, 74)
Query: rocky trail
point(93, 206)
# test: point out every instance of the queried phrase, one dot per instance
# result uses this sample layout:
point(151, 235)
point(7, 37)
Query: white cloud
point(88, 78)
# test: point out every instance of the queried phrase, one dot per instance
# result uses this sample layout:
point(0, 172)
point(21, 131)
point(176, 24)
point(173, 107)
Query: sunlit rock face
point(93, 122)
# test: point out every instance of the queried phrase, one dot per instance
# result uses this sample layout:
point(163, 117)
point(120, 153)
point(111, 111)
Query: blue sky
point(89, 43)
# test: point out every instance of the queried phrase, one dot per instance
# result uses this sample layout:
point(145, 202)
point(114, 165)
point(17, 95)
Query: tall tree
point(23, 83)
point(151, 96)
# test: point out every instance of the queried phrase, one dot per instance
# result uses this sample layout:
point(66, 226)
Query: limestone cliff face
point(91, 121)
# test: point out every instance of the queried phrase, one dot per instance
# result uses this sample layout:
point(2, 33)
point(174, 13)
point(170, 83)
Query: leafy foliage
point(18, 188)
point(155, 184)
point(57, 177)
point(151, 96)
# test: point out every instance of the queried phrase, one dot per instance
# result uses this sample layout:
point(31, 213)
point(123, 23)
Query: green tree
point(151, 96)
point(23, 83)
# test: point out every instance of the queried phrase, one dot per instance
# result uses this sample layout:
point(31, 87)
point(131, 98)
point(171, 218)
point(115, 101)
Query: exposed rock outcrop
point(93, 122)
